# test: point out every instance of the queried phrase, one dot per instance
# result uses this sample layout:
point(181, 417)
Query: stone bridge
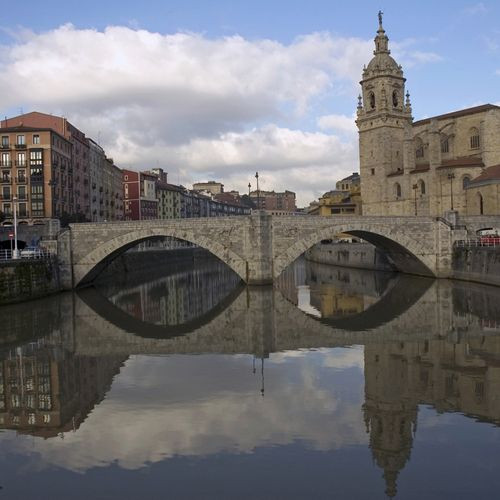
point(260, 246)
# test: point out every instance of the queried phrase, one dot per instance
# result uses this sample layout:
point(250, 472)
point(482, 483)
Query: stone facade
point(423, 167)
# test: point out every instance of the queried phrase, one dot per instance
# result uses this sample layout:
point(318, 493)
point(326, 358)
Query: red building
point(139, 195)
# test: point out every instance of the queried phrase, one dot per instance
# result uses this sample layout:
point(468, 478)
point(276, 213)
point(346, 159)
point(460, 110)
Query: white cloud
point(231, 420)
point(201, 108)
point(341, 123)
point(478, 8)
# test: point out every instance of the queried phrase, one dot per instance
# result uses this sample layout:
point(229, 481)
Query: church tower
point(385, 134)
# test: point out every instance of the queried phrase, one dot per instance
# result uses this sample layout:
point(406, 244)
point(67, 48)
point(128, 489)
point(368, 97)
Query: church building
point(428, 167)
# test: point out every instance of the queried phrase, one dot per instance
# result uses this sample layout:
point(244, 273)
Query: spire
point(381, 40)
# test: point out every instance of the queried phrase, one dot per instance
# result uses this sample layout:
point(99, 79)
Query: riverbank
point(480, 264)
point(23, 280)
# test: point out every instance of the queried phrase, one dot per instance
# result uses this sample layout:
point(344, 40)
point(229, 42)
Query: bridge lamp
point(15, 254)
point(258, 190)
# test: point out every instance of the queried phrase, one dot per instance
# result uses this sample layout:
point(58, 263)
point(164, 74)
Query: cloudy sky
point(218, 89)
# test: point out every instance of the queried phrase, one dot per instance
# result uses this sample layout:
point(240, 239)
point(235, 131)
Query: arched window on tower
point(395, 100)
point(474, 138)
point(421, 186)
point(397, 190)
point(445, 144)
point(419, 148)
point(372, 100)
point(465, 181)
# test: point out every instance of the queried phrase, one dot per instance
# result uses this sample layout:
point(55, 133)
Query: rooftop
point(455, 114)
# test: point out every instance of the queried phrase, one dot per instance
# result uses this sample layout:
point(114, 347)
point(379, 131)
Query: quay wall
point(356, 255)
point(23, 279)
point(478, 264)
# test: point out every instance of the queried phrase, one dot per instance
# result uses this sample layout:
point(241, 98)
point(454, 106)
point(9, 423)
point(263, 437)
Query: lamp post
point(258, 190)
point(15, 253)
point(415, 187)
point(249, 187)
point(451, 176)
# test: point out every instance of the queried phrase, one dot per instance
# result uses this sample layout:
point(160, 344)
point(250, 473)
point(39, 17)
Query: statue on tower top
point(380, 14)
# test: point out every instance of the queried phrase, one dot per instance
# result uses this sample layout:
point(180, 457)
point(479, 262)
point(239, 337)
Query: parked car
point(32, 253)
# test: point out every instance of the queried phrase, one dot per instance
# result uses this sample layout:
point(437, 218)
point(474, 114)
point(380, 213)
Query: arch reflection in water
point(441, 350)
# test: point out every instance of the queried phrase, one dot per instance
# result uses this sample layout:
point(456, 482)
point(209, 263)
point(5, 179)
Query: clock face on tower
point(395, 100)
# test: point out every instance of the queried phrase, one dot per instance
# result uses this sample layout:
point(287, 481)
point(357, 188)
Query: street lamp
point(258, 190)
point(451, 176)
point(249, 187)
point(415, 187)
point(15, 254)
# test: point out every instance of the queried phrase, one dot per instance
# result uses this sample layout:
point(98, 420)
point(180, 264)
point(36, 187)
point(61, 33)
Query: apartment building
point(139, 195)
point(272, 201)
point(36, 168)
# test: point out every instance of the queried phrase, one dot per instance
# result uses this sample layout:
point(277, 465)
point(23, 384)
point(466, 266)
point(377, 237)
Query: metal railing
point(27, 254)
point(478, 242)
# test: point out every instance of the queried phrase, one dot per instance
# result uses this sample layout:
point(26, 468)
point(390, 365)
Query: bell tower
point(384, 122)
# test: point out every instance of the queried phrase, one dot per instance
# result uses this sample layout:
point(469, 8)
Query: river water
point(183, 383)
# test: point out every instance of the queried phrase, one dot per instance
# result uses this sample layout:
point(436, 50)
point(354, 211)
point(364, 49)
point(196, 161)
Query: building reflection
point(46, 390)
point(186, 292)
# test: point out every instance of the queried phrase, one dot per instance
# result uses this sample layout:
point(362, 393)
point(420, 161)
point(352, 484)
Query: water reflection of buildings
point(46, 390)
point(187, 293)
point(451, 377)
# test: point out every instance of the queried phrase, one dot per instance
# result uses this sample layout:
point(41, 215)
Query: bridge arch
point(405, 250)
point(90, 265)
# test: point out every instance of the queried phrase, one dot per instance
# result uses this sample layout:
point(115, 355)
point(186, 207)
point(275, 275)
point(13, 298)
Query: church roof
point(488, 176)
point(456, 114)
point(463, 161)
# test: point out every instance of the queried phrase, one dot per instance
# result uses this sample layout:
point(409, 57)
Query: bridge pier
point(259, 246)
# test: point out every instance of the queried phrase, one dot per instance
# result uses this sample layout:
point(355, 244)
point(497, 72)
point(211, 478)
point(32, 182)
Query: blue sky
point(450, 52)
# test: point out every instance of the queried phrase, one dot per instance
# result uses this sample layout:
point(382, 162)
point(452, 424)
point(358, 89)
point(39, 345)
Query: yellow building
point(345, 199)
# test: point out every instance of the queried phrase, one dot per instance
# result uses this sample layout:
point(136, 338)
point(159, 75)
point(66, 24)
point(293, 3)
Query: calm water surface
point(182, 383)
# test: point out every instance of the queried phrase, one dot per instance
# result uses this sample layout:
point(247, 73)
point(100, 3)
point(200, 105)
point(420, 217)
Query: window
point(37, 209)
point(36, 157)
point(21, 192)
point(36, 139)
point(373, 171)
point(474, 138)
point(20, 140)
point(445, 145)
point(5, 160)
point(5, 141)
point(480, 203)
point(421, 185)
point(419, 148)
point(395, 100)
point(6, 192)
point(397, 190)
point(465, 182)
point(23, 210)
point(7, 209)
point(21, 159)
point(372, 100)
point(37, 192)
point(21, 176)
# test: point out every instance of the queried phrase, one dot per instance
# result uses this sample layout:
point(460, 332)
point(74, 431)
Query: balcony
point(5, 180)
point(4, 146)
point(21, 180)
point(23, 164)
point(22, 197)
point(5, 196)
point(20, 146)
point(5, 164)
